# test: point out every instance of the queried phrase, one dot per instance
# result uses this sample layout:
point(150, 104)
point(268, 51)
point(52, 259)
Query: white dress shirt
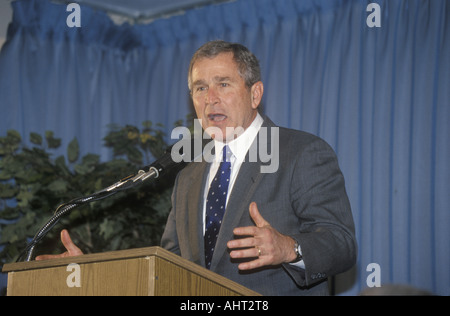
point(239, 147)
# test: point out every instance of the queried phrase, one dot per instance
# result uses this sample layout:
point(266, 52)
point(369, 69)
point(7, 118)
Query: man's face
point(221, 97)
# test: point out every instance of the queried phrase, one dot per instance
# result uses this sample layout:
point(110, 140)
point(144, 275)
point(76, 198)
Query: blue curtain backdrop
point(379, 96)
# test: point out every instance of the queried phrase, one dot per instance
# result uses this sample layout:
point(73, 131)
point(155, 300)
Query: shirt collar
point(240, 146)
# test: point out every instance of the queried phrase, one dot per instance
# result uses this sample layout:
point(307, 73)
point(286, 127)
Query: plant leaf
point(14, 136)
point(9, 213)
point(52, 142)
point(59, 185)
point(8, 191)
point(73, 151)
point(35, 138)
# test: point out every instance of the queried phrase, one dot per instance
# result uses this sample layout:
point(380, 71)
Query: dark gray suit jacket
point(305, 199)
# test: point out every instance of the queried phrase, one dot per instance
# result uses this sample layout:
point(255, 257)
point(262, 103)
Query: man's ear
point(257, 93)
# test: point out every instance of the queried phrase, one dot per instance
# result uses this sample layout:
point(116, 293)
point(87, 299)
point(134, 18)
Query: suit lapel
point(194, 223)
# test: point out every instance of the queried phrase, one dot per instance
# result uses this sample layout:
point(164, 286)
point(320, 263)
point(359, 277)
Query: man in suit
point(281, 233)
point(282, 227)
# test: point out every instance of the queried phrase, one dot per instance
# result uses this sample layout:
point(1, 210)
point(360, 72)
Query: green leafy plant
point(33, 183)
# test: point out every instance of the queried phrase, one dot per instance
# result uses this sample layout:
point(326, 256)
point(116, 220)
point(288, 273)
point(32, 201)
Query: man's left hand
point(262, 242)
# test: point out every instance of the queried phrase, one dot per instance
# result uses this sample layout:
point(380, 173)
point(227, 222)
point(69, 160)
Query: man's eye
point(224, 85)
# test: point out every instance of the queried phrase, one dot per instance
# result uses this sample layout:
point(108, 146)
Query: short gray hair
point(247, 62)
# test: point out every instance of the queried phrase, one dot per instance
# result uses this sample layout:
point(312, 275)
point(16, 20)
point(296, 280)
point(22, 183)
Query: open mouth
point(217, 117)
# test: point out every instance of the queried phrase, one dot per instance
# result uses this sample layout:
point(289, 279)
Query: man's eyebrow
point(198, 82)
point(221, 79)
point(201, 82)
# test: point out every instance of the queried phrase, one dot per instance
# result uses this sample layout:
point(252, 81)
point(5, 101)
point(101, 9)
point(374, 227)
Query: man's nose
point(212, 96)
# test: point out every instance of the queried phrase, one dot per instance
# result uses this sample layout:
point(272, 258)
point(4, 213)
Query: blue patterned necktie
point(215, 204)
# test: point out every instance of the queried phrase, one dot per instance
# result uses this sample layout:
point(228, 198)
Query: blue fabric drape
point(379, 96)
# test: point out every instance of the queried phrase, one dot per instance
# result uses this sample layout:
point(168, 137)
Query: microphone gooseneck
point(153, 171)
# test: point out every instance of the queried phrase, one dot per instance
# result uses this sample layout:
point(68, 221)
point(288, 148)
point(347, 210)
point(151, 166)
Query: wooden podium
point(137, 272)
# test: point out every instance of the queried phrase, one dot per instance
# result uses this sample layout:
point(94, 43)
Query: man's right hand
point(72, 249)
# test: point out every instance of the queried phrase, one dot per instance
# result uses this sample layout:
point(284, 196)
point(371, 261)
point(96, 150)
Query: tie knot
point(226, 154)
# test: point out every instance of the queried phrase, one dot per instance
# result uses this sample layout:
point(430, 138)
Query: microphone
point(179, 154)
point(176, 155)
